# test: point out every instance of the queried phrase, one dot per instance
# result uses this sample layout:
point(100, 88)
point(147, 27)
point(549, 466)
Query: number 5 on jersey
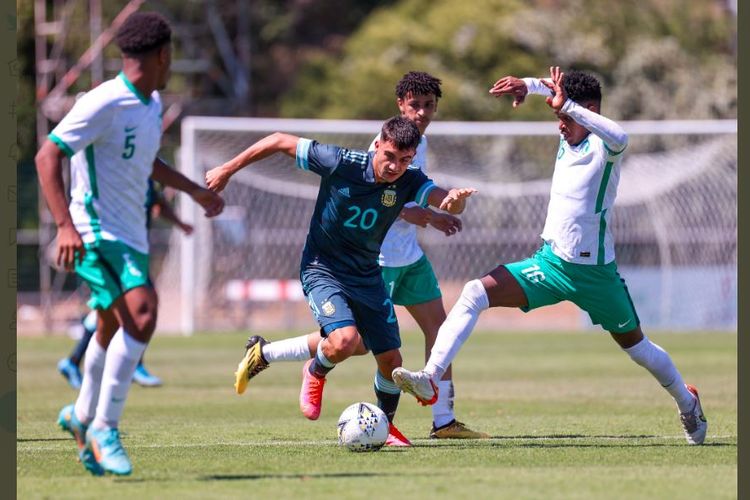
point(129, 147)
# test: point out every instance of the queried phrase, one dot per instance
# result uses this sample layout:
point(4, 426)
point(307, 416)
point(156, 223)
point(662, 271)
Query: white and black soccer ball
point(363, 427)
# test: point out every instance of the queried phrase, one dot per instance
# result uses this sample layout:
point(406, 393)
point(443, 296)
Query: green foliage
point(571, 417)
point(662, 44)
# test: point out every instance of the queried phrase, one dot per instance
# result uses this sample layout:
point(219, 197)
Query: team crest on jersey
point(389, 198)
point(328, 308)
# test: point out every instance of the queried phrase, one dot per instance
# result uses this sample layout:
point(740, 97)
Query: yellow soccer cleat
point(456, 430)
point(252, 364)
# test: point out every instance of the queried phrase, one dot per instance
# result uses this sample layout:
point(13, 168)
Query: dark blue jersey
point(353, 212)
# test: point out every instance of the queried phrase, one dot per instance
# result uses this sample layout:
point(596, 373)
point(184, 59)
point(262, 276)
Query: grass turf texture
point(571, 417)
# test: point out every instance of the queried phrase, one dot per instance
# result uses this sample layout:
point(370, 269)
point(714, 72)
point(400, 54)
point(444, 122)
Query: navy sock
point(80, 349)
point(388, 403)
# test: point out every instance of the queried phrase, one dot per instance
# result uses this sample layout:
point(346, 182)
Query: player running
point(112, 135)
point(408, 275)
point(577, 260)
point(361, 194)
point(70, 366)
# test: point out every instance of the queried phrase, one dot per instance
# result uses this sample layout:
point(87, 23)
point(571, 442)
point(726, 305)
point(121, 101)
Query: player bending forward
point(361, 194)
point(408, 275)
point(577, 260)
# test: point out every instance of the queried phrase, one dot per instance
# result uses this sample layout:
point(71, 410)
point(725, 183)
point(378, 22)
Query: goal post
point(674, 222)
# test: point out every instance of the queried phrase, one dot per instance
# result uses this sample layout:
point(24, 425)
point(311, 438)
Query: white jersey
point(584, 188)
point(112, 136)
point(400, 247)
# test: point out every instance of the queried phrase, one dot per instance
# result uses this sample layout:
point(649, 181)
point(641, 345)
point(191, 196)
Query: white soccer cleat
point(694, 422)
point(418, 384)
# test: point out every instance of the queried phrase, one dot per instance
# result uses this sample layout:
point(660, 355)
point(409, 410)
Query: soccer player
point(361, 194)
point(112, 135)
point(408, 275)
point(576, 261)
point(70, 366)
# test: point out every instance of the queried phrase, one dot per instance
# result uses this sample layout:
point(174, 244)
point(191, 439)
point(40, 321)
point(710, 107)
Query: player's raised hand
point(455, 200)
point(556, 86)
point(446, 223)
point(510, 85)
point(69, 247)
point(217, 178)
point(211, 202)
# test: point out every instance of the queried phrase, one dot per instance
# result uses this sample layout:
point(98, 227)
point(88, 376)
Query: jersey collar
point(133, 89)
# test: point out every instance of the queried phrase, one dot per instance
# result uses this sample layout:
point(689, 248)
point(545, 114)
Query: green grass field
point(571, 417)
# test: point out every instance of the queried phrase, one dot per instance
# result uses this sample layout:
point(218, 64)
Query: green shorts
point(412, 284)
point(599, 290)
point(110, 268)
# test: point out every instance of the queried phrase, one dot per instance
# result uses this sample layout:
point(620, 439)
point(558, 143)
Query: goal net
point(674, 221)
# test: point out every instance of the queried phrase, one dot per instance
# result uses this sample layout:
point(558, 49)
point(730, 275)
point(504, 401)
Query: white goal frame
point(189, 211)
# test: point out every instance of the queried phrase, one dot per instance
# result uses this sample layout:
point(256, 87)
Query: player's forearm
point(167, 213)
point(269, 145)
point(535, 86)
point(613, 135)
point(167, 176)
point(49, 170)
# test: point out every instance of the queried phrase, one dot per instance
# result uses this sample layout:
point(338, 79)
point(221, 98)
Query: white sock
point(442, 410)
point(93, 366)
point(122, 358)
point(657, 361)
point(294, 349)
point(89, 322)
point(457, 328)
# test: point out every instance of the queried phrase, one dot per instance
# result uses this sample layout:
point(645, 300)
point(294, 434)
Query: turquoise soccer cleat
point(68, 422)
point(107, 449)
point(145, 378)
point(71, 372)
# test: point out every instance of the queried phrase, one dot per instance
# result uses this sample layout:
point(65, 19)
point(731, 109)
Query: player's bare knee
point(388, 361)
point(344, 342)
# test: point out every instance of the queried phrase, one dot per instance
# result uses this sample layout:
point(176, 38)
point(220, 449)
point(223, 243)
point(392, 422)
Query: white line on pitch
point(26, 446)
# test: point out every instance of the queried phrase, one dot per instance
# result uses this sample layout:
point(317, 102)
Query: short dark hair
point(418, 83)
point(582, 87)
point(402, 132)
point(143, 32)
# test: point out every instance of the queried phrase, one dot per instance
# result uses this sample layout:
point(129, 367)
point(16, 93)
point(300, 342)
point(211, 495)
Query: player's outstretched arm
point(446, 223)
point(218, 177)
point(212, 203)
point(453, 201)
point(49, 168)
point(417, 215)
point(163, 210)
point(519, 88)
point(609, 131)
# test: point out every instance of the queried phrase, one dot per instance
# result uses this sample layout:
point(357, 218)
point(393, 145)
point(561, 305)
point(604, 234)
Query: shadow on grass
point(40, 440)
point(253, 477)
point(548, 441)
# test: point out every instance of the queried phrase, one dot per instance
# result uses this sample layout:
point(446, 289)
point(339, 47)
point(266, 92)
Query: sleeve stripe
point(61, 144)
point(423, 193)
point(613, 153)
point(303, 148)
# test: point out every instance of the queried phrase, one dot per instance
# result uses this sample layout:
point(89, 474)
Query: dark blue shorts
point(367, 307)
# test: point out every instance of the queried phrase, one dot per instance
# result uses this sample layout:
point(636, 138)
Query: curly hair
point(418, 83)
point(582, 87)
point(143, 32)
point(402, 132)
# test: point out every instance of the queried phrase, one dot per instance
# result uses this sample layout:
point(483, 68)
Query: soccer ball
point(363, 427)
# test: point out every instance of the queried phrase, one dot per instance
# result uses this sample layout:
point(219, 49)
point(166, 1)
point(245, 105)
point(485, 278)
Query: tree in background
point(655, 57)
